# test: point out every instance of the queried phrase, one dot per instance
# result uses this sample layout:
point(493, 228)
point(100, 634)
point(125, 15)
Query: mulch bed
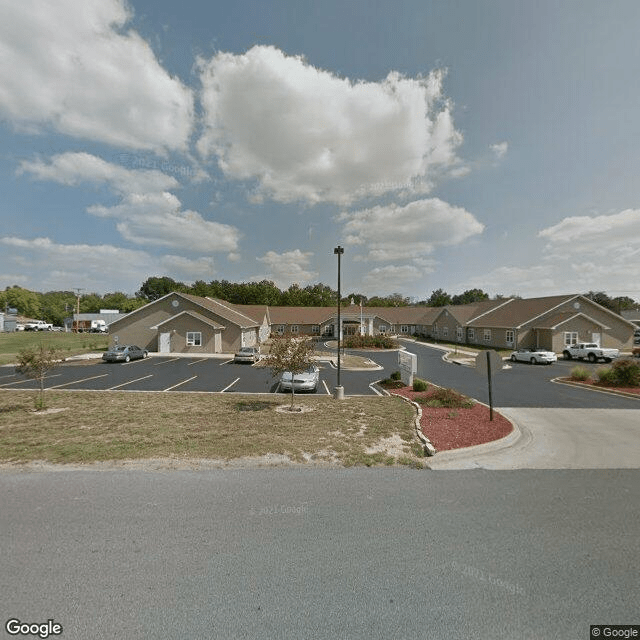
point(596, 385)
point(456, 428)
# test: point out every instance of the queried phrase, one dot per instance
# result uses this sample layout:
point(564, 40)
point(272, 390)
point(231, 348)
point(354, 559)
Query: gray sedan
point(124, 353)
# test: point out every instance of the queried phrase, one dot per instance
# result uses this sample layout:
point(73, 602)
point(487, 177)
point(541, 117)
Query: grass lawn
point(69, 344)
point(85, 426)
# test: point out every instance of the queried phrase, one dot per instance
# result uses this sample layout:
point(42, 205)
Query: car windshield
point(119, 348)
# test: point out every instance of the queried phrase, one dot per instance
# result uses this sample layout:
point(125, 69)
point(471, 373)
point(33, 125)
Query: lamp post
point(339, 389)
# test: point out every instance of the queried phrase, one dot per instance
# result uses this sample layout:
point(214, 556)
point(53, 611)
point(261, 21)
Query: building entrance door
point(164, 343)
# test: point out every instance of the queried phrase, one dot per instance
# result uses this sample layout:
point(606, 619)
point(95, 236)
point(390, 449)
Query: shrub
point(370, 342)
point(389, 383)
point(626, 373)
point(580, 374)
point(395, 375)
point(419, 385)
point(606, 376)
point(446, 398)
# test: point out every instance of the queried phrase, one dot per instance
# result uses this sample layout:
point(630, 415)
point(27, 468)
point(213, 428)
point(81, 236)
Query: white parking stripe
point(197, 361)
point(326, 388)
point(157, 364)
point(231, 385)
point(8, 384)
point(124, 384)
point(66, 384)
point(226, 362)
point(180, 383)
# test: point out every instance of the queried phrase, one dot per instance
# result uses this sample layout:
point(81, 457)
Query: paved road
point(309, 553)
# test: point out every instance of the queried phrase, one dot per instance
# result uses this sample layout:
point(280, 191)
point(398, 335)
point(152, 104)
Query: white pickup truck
point(38, 325)
point(589, 350)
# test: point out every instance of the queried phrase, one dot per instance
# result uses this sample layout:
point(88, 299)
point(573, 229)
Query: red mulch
point(455, 428)
point(604, 387)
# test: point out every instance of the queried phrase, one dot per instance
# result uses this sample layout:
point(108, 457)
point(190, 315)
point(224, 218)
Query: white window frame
point(194, 338)
point(510, 337)
point(382, 329)
point(570, 338)
point(445, 332)
point(460, 334)
point(486, 335)
point(294, 328)
point(472, 334)
point(280, 329)
point(315, 328)
point(404, 328)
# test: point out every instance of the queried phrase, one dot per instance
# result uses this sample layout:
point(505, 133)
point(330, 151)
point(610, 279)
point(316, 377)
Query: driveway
point(556, 439)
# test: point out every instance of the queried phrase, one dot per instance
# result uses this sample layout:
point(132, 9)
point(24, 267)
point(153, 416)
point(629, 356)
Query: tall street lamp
point(339, 389)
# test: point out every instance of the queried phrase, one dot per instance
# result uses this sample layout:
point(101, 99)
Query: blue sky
point(448, 145)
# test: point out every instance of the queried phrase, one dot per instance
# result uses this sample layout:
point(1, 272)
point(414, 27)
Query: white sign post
point(489, 362)
point(408, 364)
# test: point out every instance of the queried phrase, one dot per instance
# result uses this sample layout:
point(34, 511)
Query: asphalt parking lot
point(162, 373)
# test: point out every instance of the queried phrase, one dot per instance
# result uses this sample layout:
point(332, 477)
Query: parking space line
point(226, 362)
point(157, 364)
point(197, 361)
point(374, 389)
point(180, 383)
point(231, 385)
point(124, 384)
point(326, 388)
point(8, 384)
point(66, 384)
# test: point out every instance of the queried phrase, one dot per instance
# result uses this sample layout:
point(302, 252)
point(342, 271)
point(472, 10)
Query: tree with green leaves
point(439, 298)
point(35, 363)
point(290, 354)
point(470, 296)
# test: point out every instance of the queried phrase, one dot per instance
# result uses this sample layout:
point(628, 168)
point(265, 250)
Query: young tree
point(35, 363)
point(290, 354)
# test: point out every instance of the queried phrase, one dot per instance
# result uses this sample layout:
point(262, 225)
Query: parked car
point(635, 352)
point(305, 381)
point(247, 354)
point(124, 353)
point(534, 356)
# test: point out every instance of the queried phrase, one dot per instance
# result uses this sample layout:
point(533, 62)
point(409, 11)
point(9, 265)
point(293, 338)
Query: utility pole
point(77, 290)
point(339, 389)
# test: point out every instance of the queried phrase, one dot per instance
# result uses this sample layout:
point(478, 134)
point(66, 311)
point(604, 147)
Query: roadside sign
point(408, 364)
point(491, 357)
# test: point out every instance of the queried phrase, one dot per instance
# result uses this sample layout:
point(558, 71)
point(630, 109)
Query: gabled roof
point(517, 312)
point(557, 319)
point(193, 314)
point(224, 310)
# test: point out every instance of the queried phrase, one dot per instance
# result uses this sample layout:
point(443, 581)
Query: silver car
point(124, 353)
point(534, 356)
point(247, 354)
point(305, 381)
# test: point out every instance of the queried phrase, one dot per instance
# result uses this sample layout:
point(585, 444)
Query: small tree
point(35, 363)
point(290, 354)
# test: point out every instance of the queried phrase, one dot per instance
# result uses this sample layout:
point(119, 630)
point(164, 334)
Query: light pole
point(339, 389)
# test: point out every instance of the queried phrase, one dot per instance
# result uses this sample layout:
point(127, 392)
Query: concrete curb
point(590, 387)
point(428, 447)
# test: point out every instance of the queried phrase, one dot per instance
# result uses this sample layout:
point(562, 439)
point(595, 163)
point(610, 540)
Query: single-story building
point(183, 323)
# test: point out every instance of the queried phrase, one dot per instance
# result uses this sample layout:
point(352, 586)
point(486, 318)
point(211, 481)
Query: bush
point(446, 398)
point(606, 376)
point(626, 373)
point(419, 385)
point(370, 342)
point(395, 375)
point(580, 374)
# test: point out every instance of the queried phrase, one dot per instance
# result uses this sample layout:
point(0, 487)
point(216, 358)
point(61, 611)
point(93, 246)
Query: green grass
point(69, 344)
point(89, 426)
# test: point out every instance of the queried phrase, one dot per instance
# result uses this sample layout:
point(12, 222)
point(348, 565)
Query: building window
point(511, 336)
point(280, 329)
point(194, 339)
point(472, 335)
point(445, 332)
point(294, 328)
point(404, 328)
point(487, 335)
point(383, 328)
point(460, 334)
point(570, 337)
point(315, 329)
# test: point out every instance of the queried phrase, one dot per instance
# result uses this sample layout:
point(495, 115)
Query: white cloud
point(72, 66)
point(391, 278)
point(306, 134)
point(287, 268)
point(412, 231)
point(50, 266)
point(500, 149)
point(147, 213)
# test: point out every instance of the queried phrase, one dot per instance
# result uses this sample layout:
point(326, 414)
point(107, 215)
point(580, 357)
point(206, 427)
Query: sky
point(445, 145)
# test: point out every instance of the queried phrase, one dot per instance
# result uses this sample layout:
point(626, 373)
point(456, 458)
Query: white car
point(534, 356)
point(247, 354)
point(305, 381)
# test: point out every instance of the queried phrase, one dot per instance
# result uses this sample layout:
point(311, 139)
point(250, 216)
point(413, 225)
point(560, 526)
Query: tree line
point(55, 306)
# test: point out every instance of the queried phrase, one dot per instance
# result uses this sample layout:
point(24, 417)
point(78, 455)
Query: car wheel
point(566, 355)
point(533, 361)
point(144, 354)
point(127, 358)
point(513, 358)
point(592, 357)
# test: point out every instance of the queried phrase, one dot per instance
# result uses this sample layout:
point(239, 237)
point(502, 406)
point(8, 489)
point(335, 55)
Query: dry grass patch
point(119, 425)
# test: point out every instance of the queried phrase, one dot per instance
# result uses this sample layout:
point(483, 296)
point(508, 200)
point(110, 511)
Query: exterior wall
point(140, 327)
point(497, 338)
point(583, 327)
point(178, 329)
